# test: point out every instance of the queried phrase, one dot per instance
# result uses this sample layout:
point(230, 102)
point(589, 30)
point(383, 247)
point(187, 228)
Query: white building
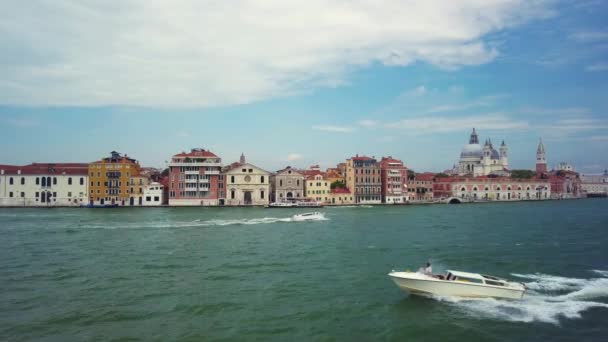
point(477, 160)
point(563, 166)
point(595, 184)
point(247, 184)
point(44, 185)
point(287, 184)
point(153, 194)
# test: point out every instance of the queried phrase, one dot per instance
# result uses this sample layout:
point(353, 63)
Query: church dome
point(472, 150)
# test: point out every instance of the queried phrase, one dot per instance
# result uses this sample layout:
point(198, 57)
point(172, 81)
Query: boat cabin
point(474, 278)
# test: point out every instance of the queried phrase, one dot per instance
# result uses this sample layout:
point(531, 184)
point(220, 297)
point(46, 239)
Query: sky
point(304, 82)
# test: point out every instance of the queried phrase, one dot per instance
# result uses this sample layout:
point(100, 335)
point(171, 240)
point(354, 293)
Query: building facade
point(44, 185)
point(595, 184)
point(477, 160)
point(195, 179)
point(364, 180)
point(394, 181)
point(318, 188)
point(287, 184)
point(491, 189)
point(110, 181)
point(421, 187)
point(247, 184)
point(153, 194)
point(341, 196)
point(565, 184)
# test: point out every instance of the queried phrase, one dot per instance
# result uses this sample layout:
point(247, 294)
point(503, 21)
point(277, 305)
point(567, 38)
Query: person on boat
point(427, 269)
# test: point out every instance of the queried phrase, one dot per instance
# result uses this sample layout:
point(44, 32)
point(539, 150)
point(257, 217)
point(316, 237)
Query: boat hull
point(428, 285)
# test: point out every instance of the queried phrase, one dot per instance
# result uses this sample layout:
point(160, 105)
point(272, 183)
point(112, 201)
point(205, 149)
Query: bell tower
point(541, 161)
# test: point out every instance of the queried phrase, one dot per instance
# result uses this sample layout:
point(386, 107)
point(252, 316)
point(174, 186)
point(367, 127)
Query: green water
point(253, 274)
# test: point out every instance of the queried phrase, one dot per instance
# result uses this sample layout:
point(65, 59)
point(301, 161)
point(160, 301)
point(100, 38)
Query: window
point(22, 194)
point(69, 194)
point(10, 194)
point(54, 195)
point(250, 170)
point(262, 194)
point(156, 199)
point(37, 180)
point(148, 199)
point(22, 180)
point(81, 180)
point(54, 180)
point(262, 179)
point(70, 181)
point(37, 194)
point(232, 180)
point(232, 194)
point(92, 184)
point(10, 181)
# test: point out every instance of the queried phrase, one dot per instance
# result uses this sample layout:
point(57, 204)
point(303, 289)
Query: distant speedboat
point(295, 204)
point(460, 284)
point(308, 216)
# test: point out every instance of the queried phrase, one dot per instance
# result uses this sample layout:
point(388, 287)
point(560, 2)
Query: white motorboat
point(456, 283)
point(309, 216)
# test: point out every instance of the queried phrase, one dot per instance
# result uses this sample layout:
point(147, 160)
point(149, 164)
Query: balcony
point(192, 180)
point(213, 172)
point(191, 172)
point(209, 164)
point(203, 181)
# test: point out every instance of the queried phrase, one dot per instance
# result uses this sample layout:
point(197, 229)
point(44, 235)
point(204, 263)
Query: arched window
point(48, 181)
point(475, 189)
point(498, 189)
point(232, 181)
point(487, 188)
point(43, 181)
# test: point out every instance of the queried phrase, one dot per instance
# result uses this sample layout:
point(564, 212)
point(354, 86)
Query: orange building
point(113, 180)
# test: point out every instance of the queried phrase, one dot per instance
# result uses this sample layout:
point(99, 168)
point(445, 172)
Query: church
point(477, 160)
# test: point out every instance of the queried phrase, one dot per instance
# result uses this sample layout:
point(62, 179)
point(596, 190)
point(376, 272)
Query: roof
point(427, 176)
point(340, 191)
point(47, 169)
point(197, 152)
point(362, 158)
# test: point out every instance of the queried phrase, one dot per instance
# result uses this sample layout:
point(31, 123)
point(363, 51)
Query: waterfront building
point(421, 187)
point(44, 185)
point(246, 184)
point(565, 184)
point(318, 188)
point(394, 181)
point(195, 179)
point(541, 160)
point(467, 189)
point(594, 185)
point(341, 196)
point(364, 179)
point(287, 184)
point(154, 194)
point(477, 160)
point(334, 175)
point(110, 181)
point(563, 166)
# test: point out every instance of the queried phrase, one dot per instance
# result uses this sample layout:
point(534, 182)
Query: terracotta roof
point(361, 158)
point(340, 191)
point(427, 176)
point(197, 153)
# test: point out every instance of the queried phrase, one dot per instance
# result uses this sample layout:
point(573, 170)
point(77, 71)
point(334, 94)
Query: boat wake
point(199, 223)
point(548, 299)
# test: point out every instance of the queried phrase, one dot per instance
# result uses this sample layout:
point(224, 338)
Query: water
point(251, 273)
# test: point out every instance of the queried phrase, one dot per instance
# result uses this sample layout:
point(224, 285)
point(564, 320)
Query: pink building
point(195, 179)
point(394, 180)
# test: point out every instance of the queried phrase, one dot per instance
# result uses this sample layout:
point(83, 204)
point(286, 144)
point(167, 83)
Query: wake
point(199, 223)
point(548, 299)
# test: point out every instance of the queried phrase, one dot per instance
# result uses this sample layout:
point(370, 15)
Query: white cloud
point(294, 156)
point(367, 123)
point(590, 36)
point(418, 91)
point(492, 121)
point(597, 67)
point(210, 53)
point(484, 101)
point(336, 129)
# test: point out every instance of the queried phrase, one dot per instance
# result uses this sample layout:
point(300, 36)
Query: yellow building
point(341, 196)
point(318, 188)
point(111, 179)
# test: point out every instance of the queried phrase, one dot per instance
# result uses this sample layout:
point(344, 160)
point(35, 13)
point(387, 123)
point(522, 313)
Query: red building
point(393, 176)
point(565, 184)
point(195, 178)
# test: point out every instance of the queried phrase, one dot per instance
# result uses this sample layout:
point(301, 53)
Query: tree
point(338, 184)
point(165, 172)
point(522, 174)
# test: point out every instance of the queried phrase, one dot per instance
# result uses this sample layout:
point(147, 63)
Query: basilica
point(477, 160)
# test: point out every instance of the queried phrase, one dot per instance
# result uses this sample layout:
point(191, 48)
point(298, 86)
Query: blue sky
point(304, 83)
